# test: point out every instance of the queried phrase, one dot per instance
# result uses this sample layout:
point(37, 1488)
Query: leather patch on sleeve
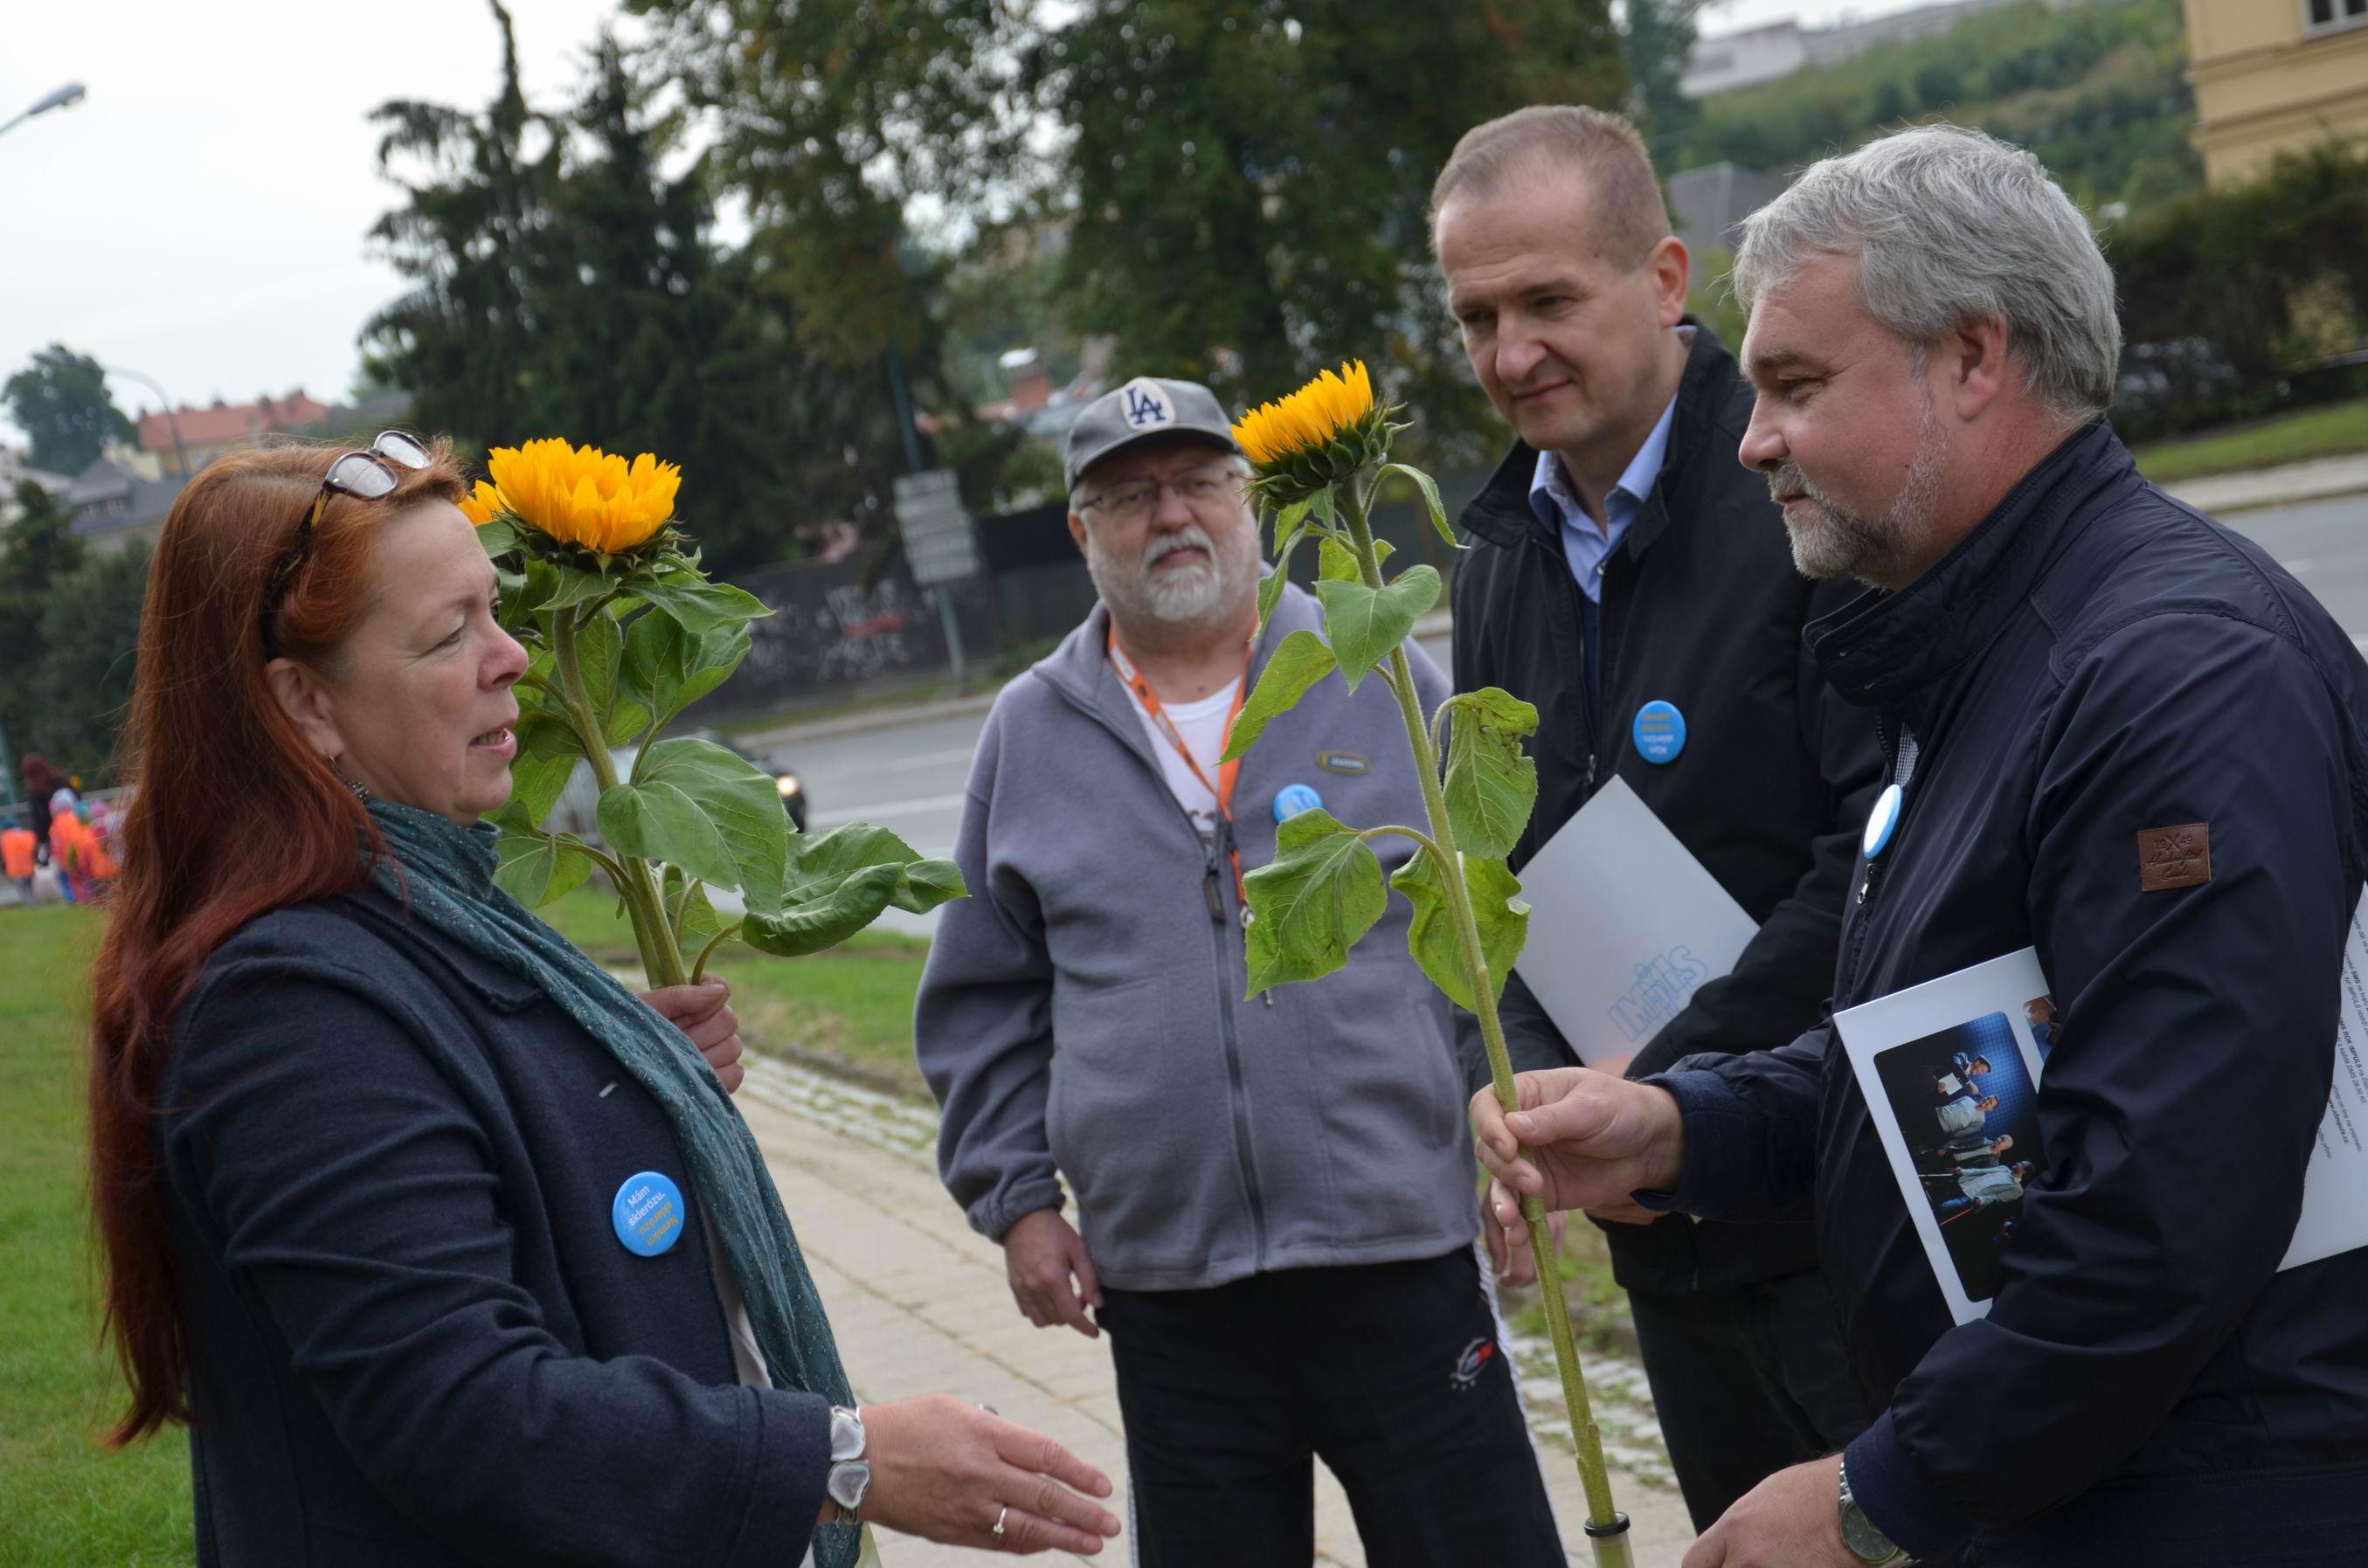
point(2174, 858)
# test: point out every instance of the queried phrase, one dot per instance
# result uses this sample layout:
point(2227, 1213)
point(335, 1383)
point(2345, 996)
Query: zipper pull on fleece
point(1214, 894)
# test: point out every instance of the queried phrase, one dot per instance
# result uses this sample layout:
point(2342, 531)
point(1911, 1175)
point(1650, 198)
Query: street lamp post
point(180, 453)
point(71, 93)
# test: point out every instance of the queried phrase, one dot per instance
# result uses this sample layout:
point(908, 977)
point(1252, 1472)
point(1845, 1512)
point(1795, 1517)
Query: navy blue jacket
point(1702, 608)
point(413, 1337)
point(2093, 661)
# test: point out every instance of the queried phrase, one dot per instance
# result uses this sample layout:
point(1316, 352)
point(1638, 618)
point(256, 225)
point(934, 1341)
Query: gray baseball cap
point(1145, 407)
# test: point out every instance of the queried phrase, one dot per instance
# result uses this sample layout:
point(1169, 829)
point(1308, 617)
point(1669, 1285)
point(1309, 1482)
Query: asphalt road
point(910, 778)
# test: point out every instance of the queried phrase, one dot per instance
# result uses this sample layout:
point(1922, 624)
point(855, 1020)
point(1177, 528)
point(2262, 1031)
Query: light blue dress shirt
point(1587, 546)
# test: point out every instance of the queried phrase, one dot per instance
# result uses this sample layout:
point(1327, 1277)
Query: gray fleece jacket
point(1082, 1010)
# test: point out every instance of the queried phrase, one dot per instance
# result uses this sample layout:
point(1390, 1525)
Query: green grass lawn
point(65, 1502)
point(851, 1006)
point(2333, 431)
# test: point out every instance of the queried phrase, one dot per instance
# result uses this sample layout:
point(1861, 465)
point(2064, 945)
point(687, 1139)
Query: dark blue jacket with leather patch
point(2093, 661)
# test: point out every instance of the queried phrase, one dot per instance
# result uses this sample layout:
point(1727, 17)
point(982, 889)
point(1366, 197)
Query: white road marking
point(2300, 565)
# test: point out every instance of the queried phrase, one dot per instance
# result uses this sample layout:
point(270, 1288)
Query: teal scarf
point(447, 875)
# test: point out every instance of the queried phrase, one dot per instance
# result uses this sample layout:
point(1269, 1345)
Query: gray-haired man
point(2118, 733)
point(1276, 1197)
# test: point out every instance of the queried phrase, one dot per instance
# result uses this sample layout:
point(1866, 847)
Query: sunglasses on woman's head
point(366, 473)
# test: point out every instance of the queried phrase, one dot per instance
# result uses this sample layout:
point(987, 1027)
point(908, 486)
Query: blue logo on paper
point(1664, 983)
point(647, 1214)
point(1660, 732)
point(1295, 799)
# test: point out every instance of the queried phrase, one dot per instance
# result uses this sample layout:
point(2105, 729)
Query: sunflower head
point(582, 495)
point(1316, 436)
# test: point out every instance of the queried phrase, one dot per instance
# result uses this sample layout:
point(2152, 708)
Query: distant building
point(1709, 204)
point(1724, 61)
point(207, 432)
point(2274, 77)
point(113, 505)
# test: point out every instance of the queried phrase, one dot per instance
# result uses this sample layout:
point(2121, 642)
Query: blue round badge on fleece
point(1295, 799)
point(647, 1214)
point(1660, 732)
point(1883, 821)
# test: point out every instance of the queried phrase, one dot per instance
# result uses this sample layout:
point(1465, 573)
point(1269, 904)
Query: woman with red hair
point(448, 1248)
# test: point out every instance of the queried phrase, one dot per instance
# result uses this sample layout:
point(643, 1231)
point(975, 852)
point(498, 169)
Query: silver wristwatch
point(1865, 1542)
point(850, 1473)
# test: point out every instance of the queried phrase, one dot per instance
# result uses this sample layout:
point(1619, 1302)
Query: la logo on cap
point(1144, 404)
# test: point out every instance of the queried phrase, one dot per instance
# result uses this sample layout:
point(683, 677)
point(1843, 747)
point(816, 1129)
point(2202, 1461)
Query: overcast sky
point(199, 216)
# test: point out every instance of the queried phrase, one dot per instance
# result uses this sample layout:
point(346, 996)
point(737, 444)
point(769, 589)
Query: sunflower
point(1316, 436)
point(484, 506)
point(582, 495)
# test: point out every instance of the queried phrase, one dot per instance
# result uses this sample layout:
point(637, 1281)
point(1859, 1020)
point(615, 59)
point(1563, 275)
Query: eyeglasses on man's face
point(1203, 489)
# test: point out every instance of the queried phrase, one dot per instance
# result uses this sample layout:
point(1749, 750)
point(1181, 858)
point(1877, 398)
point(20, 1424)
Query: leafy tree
point(831, 117)
point(1236, 189)
point(82, 687)
point(60, 402)
point(1660, 37)
point(1248, 183)
point(38, 552)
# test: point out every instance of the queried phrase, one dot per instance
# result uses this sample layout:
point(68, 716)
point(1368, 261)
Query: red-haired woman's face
point(416, 706)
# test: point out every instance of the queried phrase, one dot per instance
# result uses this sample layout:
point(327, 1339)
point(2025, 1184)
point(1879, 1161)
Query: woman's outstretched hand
point(949, 1471)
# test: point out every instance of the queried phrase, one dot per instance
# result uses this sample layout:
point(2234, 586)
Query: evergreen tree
point(82, 687)
point(565, 282)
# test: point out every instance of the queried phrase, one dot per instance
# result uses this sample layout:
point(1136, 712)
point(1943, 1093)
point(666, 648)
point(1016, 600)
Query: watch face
point(848, 1482)
point(1865, 1542)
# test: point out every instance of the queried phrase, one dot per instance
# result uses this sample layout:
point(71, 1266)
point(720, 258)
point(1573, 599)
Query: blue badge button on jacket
point(647, 1214)
point(1295, 799)
point(1883, 821)
point(1660, 732)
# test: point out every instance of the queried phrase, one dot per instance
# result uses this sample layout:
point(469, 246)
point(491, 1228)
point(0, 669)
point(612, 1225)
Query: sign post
point(941, 545)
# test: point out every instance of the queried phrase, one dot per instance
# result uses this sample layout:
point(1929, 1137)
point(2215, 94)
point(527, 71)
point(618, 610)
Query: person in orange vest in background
point(16, 846)
point(66, 835)
point(100, 849)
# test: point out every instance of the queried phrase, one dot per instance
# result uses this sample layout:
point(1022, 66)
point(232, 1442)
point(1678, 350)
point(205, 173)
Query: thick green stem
point(661, 957)
point(1608, 1549)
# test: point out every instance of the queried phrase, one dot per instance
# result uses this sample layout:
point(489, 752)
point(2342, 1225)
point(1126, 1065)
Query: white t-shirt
point(1202, 725)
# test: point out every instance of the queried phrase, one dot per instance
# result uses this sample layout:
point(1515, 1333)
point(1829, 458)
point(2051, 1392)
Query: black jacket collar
point(1500, 513)
point(1881, 647)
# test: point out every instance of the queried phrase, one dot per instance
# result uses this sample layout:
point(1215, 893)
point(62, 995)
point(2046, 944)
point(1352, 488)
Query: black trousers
point(1390, 1372)
point(1746, 1382)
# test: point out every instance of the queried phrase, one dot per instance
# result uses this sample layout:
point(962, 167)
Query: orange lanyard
point(1228, 774)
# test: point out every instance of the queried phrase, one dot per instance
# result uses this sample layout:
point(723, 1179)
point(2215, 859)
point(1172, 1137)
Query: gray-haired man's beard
point(1179, 595)
point(1832, 541)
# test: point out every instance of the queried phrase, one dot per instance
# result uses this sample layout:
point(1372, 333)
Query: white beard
point(1834, 541)
point(1180, 595)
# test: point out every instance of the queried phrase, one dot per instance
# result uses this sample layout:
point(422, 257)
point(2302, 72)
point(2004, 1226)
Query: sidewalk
point(920, 1306)
point(2317, 480)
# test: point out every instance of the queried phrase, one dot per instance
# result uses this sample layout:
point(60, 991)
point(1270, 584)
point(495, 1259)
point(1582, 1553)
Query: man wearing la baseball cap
point(1276, 1203)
